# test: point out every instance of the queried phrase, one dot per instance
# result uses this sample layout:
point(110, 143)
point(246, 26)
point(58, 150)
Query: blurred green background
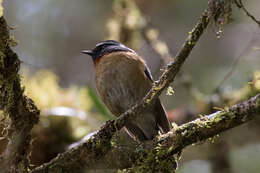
point(51, 34)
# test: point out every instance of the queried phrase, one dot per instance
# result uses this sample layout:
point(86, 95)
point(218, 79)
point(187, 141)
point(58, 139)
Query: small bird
point(122, 80)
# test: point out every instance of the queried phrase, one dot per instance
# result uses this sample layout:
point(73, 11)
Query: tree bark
point(125, 154)
point(20, 110)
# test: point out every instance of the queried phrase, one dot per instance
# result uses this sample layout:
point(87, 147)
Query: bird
point(122, 80)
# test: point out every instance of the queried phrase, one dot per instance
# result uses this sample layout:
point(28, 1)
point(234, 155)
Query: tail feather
point(146, 126)
point(161, 117)
point(135, 132)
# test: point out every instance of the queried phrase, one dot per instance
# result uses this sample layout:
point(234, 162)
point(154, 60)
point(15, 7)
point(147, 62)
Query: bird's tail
point(161, 117)
point(147, 125)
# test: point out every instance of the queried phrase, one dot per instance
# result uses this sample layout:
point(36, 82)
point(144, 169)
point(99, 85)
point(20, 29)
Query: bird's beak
point(88, 52)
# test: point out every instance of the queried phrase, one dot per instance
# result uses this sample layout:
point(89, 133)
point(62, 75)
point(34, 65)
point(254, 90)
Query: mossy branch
point(99, 144)
point(23, 115)
point(19, 109)
point(139, 158)
point(198, 130)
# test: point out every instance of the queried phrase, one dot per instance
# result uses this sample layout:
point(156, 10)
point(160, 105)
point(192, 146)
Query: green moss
point(156, 160)
point(17, 108)
point(219, 117)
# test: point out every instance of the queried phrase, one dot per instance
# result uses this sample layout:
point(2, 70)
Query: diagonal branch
point(213, 124)
point(173, 142)
point(195, 131)
point(99, 144)
point(187, 134)
point(240, 4)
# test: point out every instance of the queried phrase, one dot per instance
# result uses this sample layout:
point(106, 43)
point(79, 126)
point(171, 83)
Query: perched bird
point(122, 80)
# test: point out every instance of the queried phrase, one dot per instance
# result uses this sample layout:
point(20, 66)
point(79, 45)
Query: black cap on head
point(105, 47)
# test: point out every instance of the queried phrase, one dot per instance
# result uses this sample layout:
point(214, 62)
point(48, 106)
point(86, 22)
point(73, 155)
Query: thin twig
point(233, 67)
point(151, 36)
point(240, 4)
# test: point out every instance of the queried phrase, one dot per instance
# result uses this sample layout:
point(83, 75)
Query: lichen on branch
point(100, 142)
point(18, 109)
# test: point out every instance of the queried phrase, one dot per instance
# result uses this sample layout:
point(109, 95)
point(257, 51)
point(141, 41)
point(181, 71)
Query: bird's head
point(106, 47)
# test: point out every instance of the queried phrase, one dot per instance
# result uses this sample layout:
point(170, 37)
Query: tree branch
point(19, 109)
point(174, 141)
point(200, 130)
point(240, 4)
point(94, 148)
point(23, 114)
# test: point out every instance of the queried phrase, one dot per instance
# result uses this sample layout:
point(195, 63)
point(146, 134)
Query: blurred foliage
point(126, 23)
point(1, 8)
point(44, 89)
point(67, 114)
point(51, 136)
point(249, 90)
point(98, 104)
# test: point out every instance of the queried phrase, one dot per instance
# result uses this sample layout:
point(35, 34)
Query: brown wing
point(122, 80)
point(160, 113)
